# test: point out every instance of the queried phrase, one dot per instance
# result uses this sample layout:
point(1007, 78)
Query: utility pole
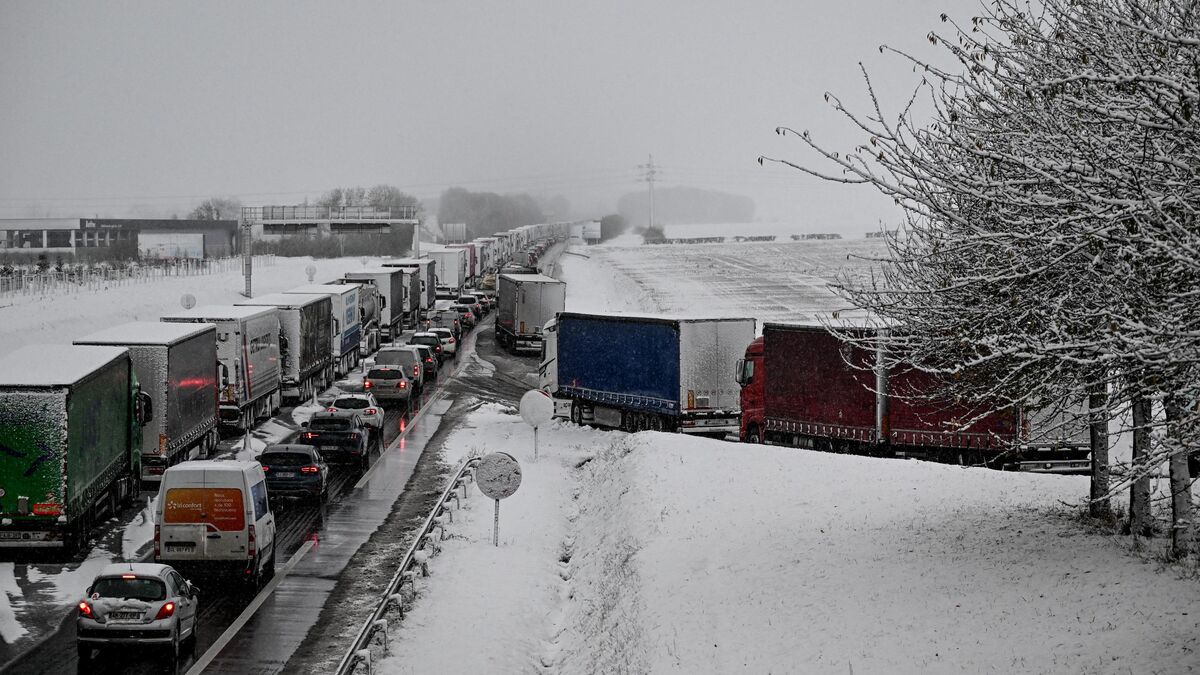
point(247, 258)
point(651, 173)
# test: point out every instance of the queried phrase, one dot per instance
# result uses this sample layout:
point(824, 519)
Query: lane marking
point(214, 650)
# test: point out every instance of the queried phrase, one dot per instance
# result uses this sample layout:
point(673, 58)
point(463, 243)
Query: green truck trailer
point(70, 442)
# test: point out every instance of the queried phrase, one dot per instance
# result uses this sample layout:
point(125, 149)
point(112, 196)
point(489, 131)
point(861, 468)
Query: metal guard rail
point(359, 650)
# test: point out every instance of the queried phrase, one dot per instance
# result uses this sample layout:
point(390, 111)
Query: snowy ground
point(662, 553)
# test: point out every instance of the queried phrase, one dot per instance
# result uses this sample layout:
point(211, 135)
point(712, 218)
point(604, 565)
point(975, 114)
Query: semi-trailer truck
point(450, 269)
point(347, 327)
point(524, 303)
point(427, 280)
point(645, 372)
point(392, 293)
point(176, 364)
point(248, 378)
point(71, 422)
point(306, 333)
point(804, 386)
point(472, 261)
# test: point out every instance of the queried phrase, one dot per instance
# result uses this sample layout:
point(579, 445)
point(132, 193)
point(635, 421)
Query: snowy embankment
point(662, 553)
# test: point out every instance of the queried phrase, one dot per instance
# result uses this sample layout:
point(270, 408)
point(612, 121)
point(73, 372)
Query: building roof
point(54, 365)
point(146, 333)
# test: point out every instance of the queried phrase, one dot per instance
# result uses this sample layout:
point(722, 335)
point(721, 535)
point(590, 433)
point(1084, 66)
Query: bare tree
point(217, 208)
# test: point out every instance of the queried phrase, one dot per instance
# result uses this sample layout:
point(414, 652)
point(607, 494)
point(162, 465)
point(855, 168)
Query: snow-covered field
point(662, 553)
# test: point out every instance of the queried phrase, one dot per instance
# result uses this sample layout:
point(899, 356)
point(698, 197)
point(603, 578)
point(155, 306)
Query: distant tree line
point(486, 213)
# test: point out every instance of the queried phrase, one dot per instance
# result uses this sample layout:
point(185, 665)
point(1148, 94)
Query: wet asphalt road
point(329, 533)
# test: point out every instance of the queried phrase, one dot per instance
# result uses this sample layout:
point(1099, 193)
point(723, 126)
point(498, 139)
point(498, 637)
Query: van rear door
point(203, 523)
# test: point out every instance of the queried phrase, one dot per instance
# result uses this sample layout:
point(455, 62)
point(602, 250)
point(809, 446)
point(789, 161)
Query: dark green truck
point(70, 442)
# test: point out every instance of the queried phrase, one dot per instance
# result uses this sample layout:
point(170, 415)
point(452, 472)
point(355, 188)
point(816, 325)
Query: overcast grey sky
point(133, 108)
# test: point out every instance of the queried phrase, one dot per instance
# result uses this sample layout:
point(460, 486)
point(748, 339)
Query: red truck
point(803, 386)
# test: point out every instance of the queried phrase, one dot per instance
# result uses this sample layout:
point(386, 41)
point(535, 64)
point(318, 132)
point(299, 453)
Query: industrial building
point(152, 238)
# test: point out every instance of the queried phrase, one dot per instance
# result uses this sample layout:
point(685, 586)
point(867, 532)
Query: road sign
point(536, 409)
point(498, 476)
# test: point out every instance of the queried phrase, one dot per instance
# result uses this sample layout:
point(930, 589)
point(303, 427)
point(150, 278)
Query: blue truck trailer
point(644, 372)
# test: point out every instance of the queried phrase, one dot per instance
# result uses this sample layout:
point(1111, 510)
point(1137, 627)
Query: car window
point(395, 357)
point(385, 374)
point(284, 458)
point(351, 403)
point(141, 588)
point(330, 423)
point(259, 493)
point(178, 580)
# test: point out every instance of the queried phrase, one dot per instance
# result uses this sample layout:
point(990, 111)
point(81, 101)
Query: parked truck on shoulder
point(71, 422)
point(247, 360)
point(305, 342)
point(176, 365)
point(803, 386)
point(524, 303)
point(644, 372)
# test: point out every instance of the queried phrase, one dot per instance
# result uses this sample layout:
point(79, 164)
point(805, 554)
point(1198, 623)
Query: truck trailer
point(644, 372)
point(248, 378)
point(306, 341)
point(426, 290)
point(392, 286)
point(472, 261)
point(347, 328)
point(370, 311)
point(71, 422)
point(524, 303)
point(450, 269)
point(176, 365)
point(804, 386)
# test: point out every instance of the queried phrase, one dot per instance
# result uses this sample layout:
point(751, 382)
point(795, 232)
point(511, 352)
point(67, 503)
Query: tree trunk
point(1139, 492)
point(1181, 483)
point(1099, 507)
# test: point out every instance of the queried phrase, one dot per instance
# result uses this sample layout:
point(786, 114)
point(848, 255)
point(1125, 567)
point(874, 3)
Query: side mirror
point(739, 373)
point(192, 590)
point(144, 409)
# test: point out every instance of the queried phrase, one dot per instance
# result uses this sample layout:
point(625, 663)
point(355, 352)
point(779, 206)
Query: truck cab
point(750, 376)
point(548, 369)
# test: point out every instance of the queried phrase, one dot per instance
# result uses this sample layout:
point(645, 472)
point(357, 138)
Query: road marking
point(214, 650)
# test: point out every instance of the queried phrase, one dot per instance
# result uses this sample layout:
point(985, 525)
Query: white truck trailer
point(247, 360)
point(347, 327)
point(393, 289)
point(525, 302)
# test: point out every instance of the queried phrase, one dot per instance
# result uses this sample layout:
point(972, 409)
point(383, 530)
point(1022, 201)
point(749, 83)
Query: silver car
point(137, 604)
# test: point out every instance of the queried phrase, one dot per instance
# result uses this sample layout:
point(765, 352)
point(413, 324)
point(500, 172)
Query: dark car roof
point(339, 415)
point(289, 447)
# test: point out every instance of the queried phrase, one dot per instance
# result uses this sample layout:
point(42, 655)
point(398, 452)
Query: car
point(445, 292)
point(389, 384)
point(213, 516)
point(476, 307)
point(430, 361)
point(295, 470)
point(466, 314)
point(447, 318)
point(137, 604)
point(430, 340)
point(407, 358)
point(339, 436)
point(364, 405)
point(449, 344)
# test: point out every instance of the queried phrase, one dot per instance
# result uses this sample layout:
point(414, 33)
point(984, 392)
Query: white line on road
point(215, 649)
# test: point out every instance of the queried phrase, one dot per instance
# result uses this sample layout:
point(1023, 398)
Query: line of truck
point(83, 426)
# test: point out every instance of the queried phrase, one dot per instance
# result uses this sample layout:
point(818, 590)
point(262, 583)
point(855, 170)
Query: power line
point(649, 176)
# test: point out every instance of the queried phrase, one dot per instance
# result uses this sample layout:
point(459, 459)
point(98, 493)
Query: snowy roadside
point(663, 553)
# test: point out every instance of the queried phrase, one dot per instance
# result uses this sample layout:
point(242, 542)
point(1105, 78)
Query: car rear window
point(351, 403)
point(141, 588)
point(468, 300)
point(425, 340)
point(401, 357)
point(329, 424)
point(385, 374)
point(222, 508)
point(285, 458)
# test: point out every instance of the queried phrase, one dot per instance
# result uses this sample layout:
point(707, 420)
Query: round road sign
point(536, 408)
point(498, 475)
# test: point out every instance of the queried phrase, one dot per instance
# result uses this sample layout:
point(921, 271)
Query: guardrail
point(417, 557)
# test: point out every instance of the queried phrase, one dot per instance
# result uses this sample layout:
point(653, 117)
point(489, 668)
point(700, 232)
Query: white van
point(213, 517)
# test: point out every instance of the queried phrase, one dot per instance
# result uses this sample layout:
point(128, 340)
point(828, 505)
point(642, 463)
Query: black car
point(431, 361)
point(295, 470)
point(339, 436)
point(430, 340)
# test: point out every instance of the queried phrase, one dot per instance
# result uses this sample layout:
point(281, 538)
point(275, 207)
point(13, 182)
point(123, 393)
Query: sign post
point(498, 476)
point(536, 409)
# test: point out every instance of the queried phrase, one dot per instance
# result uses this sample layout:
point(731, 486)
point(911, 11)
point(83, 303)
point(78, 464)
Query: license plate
point(11, 535)
point(187, 546)
point(330, 448)
point(124, 616)
point(286, 474)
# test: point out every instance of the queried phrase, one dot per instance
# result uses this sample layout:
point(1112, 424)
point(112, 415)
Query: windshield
point(351, 403)
point(425, 340)
point(137, 589)
point(395, 356)
point(385, 375)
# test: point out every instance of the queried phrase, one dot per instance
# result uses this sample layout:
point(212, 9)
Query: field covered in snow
point(661, 553)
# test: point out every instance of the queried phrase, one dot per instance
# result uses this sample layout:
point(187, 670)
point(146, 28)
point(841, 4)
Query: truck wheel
point(576, 413)
point(753, 435)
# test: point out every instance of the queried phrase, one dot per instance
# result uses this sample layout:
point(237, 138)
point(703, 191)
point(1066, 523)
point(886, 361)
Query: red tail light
point(367, 384)
point(402, 384)
point(416, 370)
point(251, 550)
point(451, 340)
point(157, 542)
point(331, 410)
point(85, 609)
point(309, 469)
point(372, 411)
point(309, 434)
point(167, 610)
point(353, 436)
point(266, 468)
point(429, 360)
